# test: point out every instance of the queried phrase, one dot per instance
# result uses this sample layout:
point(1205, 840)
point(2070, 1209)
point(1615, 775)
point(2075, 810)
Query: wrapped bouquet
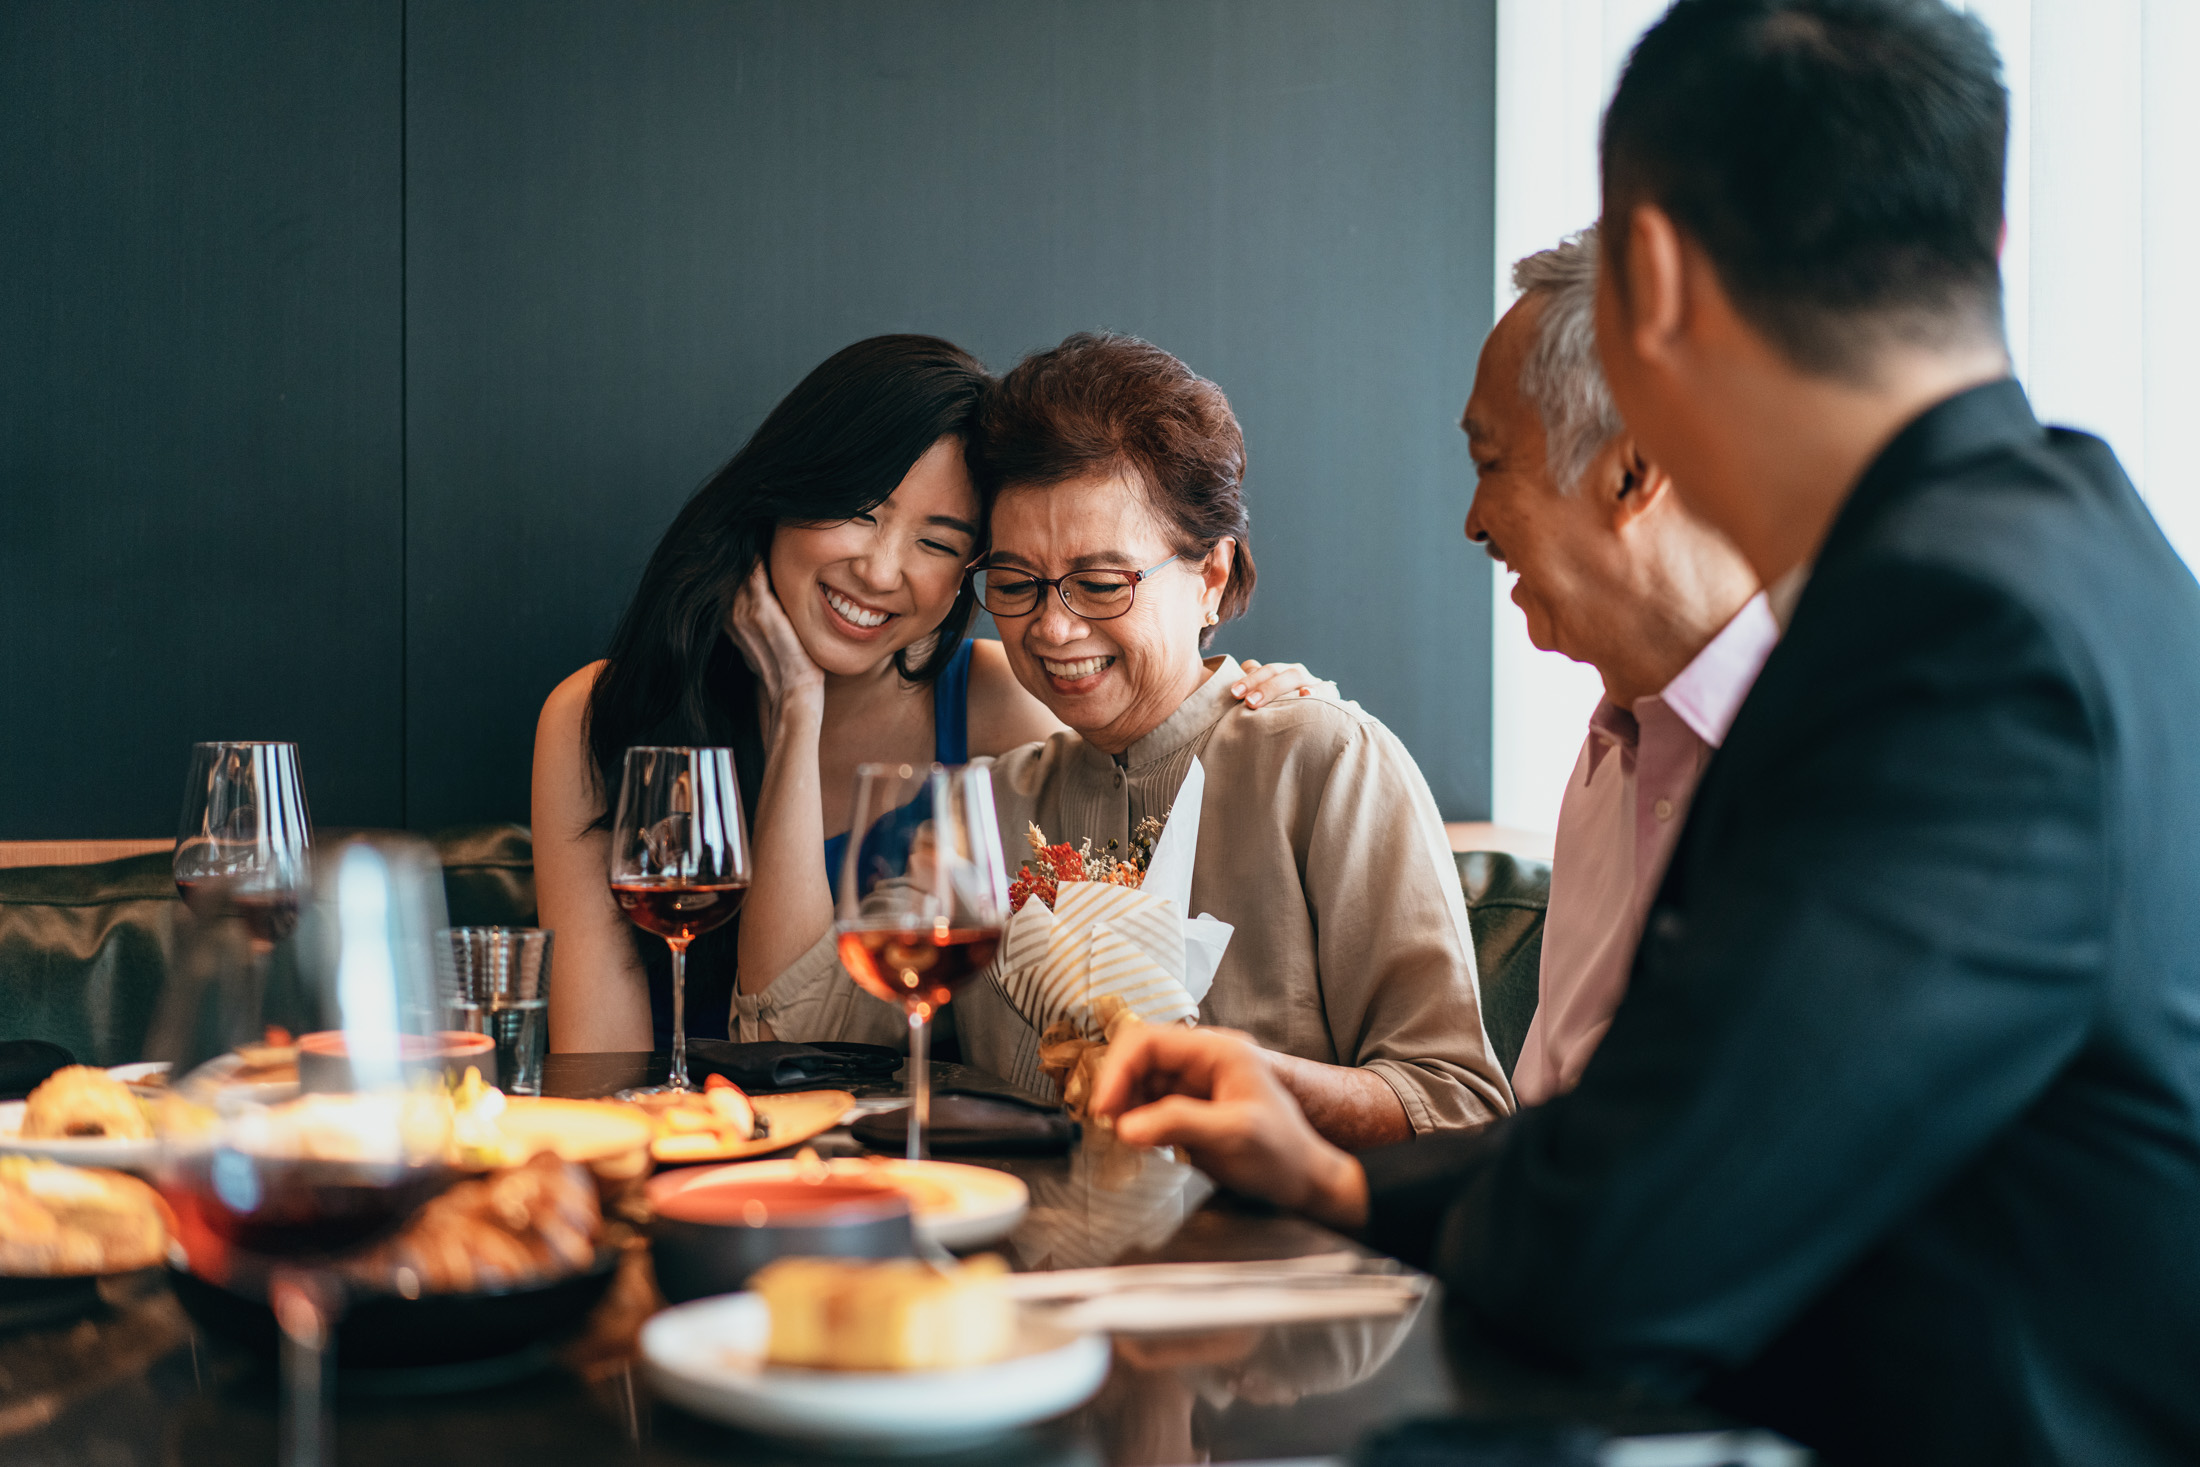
point(1100, 939)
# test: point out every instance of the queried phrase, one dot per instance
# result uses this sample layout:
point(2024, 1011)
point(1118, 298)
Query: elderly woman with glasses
point(1118, 543)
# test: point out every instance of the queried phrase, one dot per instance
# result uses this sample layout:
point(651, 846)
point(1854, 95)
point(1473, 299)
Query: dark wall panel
point(632, 227)
point(200, 406)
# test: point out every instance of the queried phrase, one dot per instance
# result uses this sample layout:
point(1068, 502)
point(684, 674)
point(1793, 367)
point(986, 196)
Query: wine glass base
point(650, 1092)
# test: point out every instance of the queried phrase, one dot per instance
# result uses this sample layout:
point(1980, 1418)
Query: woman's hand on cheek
point(1266, 682)
point(759, 626)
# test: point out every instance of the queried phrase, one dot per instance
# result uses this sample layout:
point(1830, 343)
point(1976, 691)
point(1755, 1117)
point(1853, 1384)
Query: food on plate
point(926, 1196)
point(699, 1125)
point(896, 1314)
point(520, 1225)
point(273, 1061)
point(57, 1220)
point(81, 1101)
point(492, 1129)
point(409, 1128)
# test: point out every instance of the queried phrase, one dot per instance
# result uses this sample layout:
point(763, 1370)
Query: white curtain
point(2102, 266)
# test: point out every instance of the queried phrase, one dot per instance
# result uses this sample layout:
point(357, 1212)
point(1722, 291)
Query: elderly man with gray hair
point(1615, 572)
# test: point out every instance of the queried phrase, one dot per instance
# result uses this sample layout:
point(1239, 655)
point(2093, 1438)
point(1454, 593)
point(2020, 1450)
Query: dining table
point(133, 1384)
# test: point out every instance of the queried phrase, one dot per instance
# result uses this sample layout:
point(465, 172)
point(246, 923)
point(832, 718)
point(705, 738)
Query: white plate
point(957, 1206)
point(126, 1156)
point(707, 1357)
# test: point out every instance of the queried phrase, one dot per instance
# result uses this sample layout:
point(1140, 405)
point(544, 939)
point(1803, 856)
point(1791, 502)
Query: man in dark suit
point(1894, 1143)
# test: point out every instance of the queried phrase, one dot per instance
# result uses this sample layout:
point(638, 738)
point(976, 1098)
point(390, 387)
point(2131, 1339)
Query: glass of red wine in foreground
point(923, 898)
point(245, 834)
point(274, 1195)
point(679, 863)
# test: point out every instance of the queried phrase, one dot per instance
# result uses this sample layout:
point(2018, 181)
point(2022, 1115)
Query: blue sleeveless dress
point(711, 968)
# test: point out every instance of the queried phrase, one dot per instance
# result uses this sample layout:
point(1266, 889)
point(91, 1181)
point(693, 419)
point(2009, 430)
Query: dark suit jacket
point(1894, 1143)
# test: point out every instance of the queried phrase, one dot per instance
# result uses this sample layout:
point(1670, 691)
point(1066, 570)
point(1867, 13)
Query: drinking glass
point(496, 981)
point(245, 829)
point(679, 863)
point(270, 1194)
point(923, 898)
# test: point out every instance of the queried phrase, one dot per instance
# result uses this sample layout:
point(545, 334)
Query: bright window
point(2102, 284)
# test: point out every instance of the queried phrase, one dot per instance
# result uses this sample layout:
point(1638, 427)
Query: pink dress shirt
point(1624, 805)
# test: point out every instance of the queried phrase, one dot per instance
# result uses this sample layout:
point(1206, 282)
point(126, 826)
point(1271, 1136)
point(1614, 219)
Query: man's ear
point(1631, 483)
point(1654, 306)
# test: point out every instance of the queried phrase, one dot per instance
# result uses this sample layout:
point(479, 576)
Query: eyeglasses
point(1090, 595)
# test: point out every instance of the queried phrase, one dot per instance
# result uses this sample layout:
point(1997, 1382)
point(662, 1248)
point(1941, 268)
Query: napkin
point(965, 1123)
point(777, 1065)
point(1104, 949)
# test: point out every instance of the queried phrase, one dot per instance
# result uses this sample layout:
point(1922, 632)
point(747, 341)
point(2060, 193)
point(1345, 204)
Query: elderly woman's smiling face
point(1114, 680)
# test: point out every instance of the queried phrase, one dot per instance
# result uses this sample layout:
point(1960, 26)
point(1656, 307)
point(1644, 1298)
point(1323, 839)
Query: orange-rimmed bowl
point(324, 1062)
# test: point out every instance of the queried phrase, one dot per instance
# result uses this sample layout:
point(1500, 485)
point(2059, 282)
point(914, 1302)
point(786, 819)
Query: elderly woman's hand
point(1214, 1094)
point(759, 627)
point(1265, 682)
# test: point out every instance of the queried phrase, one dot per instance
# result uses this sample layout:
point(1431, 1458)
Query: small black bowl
point(714, 1228)
point(384, 1332)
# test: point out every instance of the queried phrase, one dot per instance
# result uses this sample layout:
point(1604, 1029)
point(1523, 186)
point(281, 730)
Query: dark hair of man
point(835, 447)
point(1102, 404)
point(1839, 161)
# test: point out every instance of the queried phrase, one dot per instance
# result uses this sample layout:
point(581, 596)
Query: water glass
point(496, 981)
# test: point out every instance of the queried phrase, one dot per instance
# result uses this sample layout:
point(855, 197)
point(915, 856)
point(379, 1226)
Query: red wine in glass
point(927, 966)
point(679, 863)
point(679, 909)
point(923, 898)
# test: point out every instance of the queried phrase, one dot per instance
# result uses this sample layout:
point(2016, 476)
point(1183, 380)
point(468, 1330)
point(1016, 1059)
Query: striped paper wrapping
point(1103, 940)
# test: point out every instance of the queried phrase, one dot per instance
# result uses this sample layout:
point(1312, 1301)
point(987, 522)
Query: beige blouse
point(1319, 842)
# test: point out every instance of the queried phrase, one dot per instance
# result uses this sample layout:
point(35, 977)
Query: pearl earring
point(1214, 618)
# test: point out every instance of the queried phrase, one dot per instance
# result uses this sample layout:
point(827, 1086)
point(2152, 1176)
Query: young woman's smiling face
point(860, 591)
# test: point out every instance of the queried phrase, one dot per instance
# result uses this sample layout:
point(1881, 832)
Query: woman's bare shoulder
point(1002, 714)
point(566, 708)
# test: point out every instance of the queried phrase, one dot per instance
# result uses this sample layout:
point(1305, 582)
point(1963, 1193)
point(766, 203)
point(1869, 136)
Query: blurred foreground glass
point(268, 1185)
point(923, 898)
point(245, 829)
point(679, 863)
point(496, 981)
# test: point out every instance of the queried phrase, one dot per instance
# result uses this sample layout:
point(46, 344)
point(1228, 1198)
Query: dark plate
point(387, 1332)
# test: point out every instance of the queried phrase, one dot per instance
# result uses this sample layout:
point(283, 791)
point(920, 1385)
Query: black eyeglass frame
point(1055, 583)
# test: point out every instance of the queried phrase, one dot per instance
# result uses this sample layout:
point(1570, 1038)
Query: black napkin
point(775, 1065)
point(1462, 1442)
point(970, 1122)
point(24, 1063)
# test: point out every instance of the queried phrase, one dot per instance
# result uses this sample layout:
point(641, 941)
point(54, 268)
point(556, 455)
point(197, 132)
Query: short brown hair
point(1106, 404)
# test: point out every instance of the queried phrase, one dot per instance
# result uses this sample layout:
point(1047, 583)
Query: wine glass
point(923, 898)
point(245, 829)
point(679, 864)
point(272, 1194)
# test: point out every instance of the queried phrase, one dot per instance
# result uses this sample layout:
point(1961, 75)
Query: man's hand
point(1213, 1095)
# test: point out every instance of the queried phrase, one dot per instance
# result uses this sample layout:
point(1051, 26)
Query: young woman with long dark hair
point(808, 608)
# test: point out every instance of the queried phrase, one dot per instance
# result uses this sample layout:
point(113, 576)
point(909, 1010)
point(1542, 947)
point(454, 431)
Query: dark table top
point(133, 1383)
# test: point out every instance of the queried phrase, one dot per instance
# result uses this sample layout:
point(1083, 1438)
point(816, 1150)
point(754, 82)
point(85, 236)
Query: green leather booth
point(83, 948)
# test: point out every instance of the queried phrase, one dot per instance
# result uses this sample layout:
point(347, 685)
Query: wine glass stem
point(678, 1078)
point(302, 1315)
point(920, 1078)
